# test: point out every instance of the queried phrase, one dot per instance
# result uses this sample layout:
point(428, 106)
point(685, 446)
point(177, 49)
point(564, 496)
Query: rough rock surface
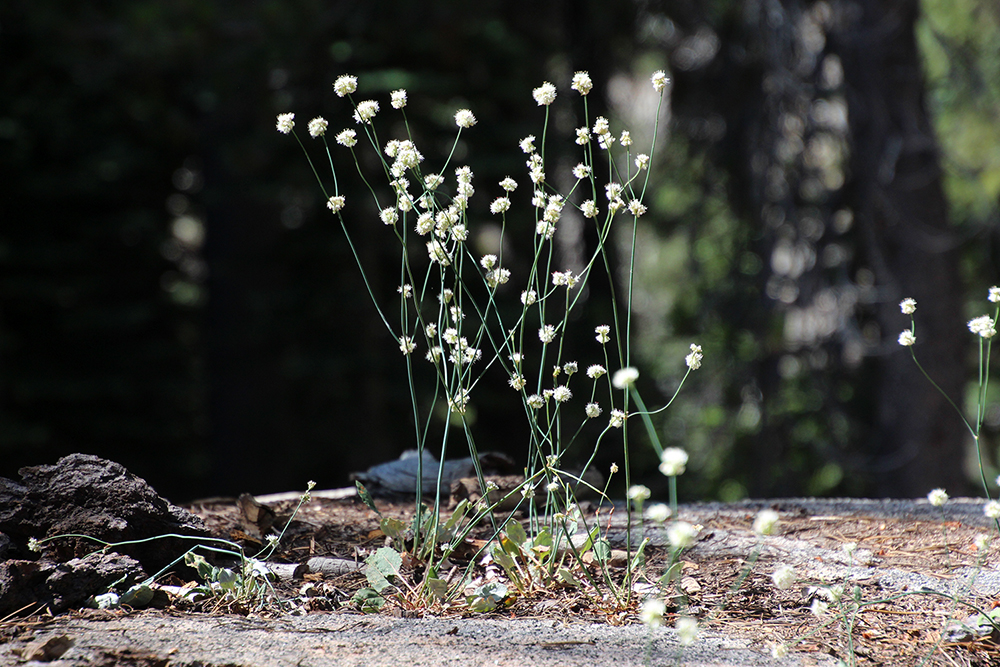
point(86, 495)
point(36, 585)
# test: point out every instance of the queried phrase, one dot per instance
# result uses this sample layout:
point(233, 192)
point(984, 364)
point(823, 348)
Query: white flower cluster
point(673, 461)
point(984, 326)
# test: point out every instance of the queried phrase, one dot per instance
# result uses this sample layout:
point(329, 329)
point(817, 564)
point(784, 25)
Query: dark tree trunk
point(919, 439)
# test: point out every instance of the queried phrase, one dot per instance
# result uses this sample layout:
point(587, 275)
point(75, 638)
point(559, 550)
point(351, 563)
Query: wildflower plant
point(984, 328)
point(454, 310)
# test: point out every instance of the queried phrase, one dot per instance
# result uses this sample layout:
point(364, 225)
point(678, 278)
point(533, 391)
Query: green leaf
point(505, 561)
point(392, 527)
point(640, 556)
point(139, 595)
point(437, 588)
point(104, 601)
point(542, 543)
point(368, 600)
point(589, 543)
point(564, 575)
point(205, 569)
point(366, 497)
point(381, 566)
point(226, 578)
point(602, 550)
point(456, 516)
point(672, 573)
point(487, 597)
point(515, 531)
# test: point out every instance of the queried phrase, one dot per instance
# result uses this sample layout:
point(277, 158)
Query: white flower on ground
point(778, 651)
point(286, 122)
point(625, 377)
point(982, 542)
point(783, 577)
point(658, 513)
point(849, 548)
point(672, 461)
point(906, 338)
point(617, 419)
point(336, 203)
point(937, 497)
point(317, 127)
point(595, 371)
point(464, 118)
point(819, 608)
point(992, 509)
point(345, 85)
point(693, 359)
point(639, 493)
point(687, 631)
point(983, 326)
point(582, 83)
point(908, 306)
point(651, 612)
point(545, 94)
point(765, 522)
point(561, 394)
point(34, 545)
point(593, 410)
point(398, 99)
point(659, 80)
point(994, 295)
point(365, 111)
point(347, 138)
point(681, 534)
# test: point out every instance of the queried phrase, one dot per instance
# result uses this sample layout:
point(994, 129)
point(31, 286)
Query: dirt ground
point(914, 569)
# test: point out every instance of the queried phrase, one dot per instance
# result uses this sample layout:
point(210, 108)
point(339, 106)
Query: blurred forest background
point(175, 296)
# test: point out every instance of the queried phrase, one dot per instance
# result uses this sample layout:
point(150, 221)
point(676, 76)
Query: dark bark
point(918, 438)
